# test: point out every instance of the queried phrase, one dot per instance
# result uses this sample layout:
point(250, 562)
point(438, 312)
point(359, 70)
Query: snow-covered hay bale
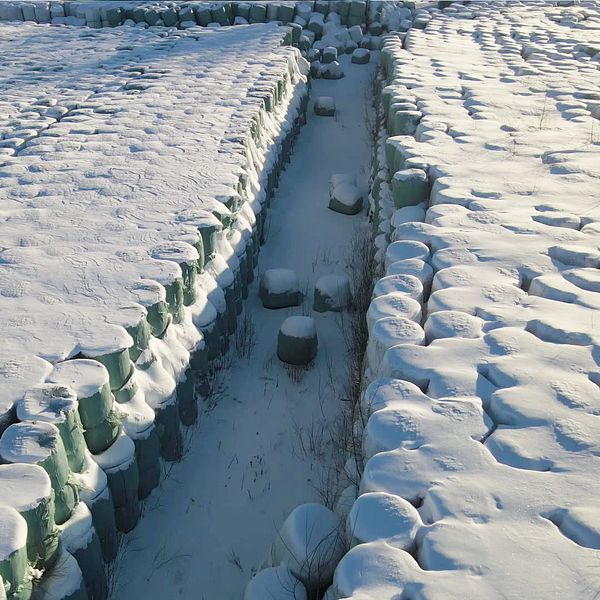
point(394, 304)
point(276, 583)
point(361, 56)
point(328, 55)
point(41, 444)
point(344, 195)
point(79, 538)
point(297, 340)
point(28, 490)
point(96, 494)
point(405, 249)
point(56, 404)
point(13, 553)
point(378, 515)
point(279, 288)
point(392, 331)
point(119, 464)
point(452, 323)
point(63, 582)
point(310, 543)
point(332, 293)
point(404, 284)
point(410, 187)
point(324, 106)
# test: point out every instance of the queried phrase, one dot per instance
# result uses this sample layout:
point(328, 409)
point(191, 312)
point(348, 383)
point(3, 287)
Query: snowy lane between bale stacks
point(264, 447)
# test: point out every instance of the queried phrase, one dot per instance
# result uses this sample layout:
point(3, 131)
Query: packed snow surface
point(490, 429)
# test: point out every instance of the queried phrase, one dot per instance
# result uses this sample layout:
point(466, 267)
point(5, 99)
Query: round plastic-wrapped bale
point(381, 516)
point(405, 249)
point(94, 491)
point(310, 543)
point(391, 331)
point(279, 288)
point(328, 55)
point(56, 404)
point(332, 293)
point(64, 581)
point(344, 195)
point(297, 340)
point(276, 583)
point(452, 323)
point(395, 304)
point(41, 444)
point(415, 267)
point(405, 284)
point(410, 187)
point(324, 106)
point(361, 56)
point(28, 490)
point(14, 568)
point(79, 538)
point(119, 464)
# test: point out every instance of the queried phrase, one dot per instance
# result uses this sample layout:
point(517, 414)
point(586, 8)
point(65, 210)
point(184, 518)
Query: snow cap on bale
point(344, 195)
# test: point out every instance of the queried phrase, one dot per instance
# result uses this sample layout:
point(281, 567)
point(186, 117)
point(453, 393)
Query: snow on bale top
point(47, 402)
point(29, 443)
point(13, 531)
point(23, 486)
point(299, 327)
point(85, 377)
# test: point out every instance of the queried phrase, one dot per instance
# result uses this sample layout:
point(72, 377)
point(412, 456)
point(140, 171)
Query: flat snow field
point(210, 524)
point(489, 425)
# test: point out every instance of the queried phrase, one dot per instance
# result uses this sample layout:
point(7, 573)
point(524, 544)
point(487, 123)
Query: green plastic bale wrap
point(398, 104)
point(28, 490)
point(94, 491)
point(258, 13)
point(188, 272)
point(57, 404)
point(297, 341)
point(99, 438)
point(151, 16)
point(167, 424)
point(63, 582)
point(203, 15)
point(147, 451)
point(186, 398)
point(169, 17)
point(230, 300)
point(175, 299)
point(285, 13)
point(208, 232)
point(119, 366)
point(120, 465)
point(79, 538)
point(139, 14)
point(410, 187)
point(13, 553)
point(65, 500)
point(218, 14)
point(127, 392)
point(158, 318)
point(141, 334)
point(90, 381)
point(279, 288)
point(242, 9)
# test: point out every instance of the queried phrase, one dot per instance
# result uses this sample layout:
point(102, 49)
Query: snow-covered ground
point(265, 445)
point(488, 423)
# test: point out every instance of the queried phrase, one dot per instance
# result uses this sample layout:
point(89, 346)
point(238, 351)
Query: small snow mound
point(310, 543)
point(276, 583)
point(361, 56)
